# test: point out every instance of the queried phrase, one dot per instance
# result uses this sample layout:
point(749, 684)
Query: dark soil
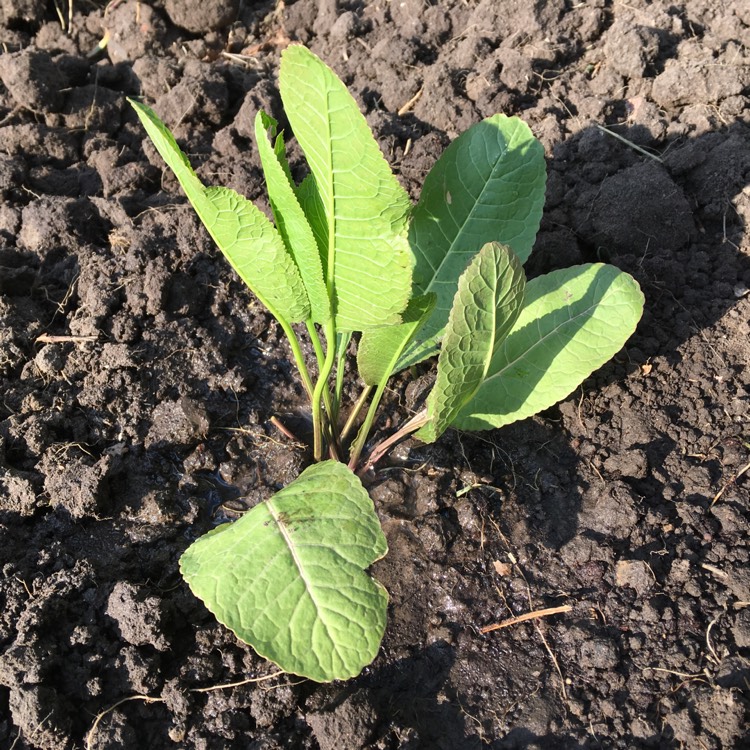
point(138, 379)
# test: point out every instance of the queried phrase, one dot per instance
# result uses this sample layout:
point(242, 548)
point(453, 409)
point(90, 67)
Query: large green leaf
point(380, 348)
point(289, 576)
point(487, 186)
point(489, 298)
point(291, 221)
point(573, 322)
point(362, 208)
point(247, 238)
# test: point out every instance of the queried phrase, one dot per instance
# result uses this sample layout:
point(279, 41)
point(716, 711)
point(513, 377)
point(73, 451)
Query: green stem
point(342, 344)
point(356, 409)
point(313, 333)
point(334, 449)
point(364, 430)
point(321, 389)
point(320, 357)
point(299, 358)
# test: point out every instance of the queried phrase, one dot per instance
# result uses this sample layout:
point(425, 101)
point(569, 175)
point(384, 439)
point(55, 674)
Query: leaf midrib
point(469, 216)
point(309, 588)
point(331, 202)
point(543, 339)
point(490, 348)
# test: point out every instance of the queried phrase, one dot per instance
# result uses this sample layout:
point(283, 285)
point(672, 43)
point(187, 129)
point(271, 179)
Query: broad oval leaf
point(243, 234)
point(488, 301)
point(573, 322)
point(289, 576)
point(360, 209)
point(487, 186)
point(291, 221)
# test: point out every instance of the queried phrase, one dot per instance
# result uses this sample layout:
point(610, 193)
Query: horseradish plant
point(349, 255)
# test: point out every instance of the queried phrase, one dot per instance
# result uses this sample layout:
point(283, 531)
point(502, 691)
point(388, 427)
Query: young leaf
point(380, 348)
point(289, 576)
point(574, 321)
point(489, 298)
point(291, 221)
point(363, 209)
point(488, 185)
point(312, 205)
point(255, 250)
point(246, 237)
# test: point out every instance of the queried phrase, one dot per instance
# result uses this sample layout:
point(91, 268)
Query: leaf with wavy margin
point(488, 301)
point(360, 211)
point(244, 235)
point(291, 221)
point(487, 186)
point(573, 321)
point(289, 576)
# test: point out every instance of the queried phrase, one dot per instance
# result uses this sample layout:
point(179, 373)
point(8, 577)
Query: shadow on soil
point(639, 210)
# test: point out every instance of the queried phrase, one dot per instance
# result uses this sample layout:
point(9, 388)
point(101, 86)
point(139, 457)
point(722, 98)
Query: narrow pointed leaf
point(246, 237)
point(487, 186)
point(488, 301)
point(380, 348)
point(291, 221)
point(289, 576)
point(312, 206)
point(366, 257)
point(256, 251)
point(574, 321)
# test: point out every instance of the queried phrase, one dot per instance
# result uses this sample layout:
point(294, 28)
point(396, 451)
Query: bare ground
point(137, 380)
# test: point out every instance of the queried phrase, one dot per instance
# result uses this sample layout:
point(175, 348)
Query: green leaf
point(487, 186)
point(488, 301)
point(291, 221)
point(573, 322)
point(246, 237)
point(312, 206)
point(380, 348)
point(363, 209)
point(255, 250)
point(289, 576)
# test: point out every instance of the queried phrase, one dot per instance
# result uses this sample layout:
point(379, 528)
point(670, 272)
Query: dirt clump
point(138, 378)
